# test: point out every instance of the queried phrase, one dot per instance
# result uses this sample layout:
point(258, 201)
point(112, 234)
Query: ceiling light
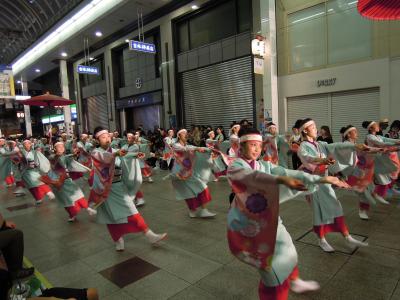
point(37, 70)
point(195, 6)
point(91, 58)
point(126, 41)
point(64, 54)
point(18, 81)
point(98, 33)
point(82, 19)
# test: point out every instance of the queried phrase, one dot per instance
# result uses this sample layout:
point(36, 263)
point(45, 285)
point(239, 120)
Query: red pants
point(279, 292)
point(146, 171)
point(73, 210)
point(222, 173)
point(339, 225)
point(20, 184)
point(75, 175)
point(364, 206)
point(139, 195)
point(381, 190)
point(40, 191)
point(201, 199)
point(135, 223)
point(10, 180)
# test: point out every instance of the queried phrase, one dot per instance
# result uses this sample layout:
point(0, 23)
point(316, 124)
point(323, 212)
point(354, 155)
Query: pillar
point(264, 24)
point(27, 110)
point(65, 94)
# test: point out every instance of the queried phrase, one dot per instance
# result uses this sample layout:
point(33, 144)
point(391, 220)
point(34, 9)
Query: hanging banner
point(7, 89)
point(87, 70)
point(142, 47)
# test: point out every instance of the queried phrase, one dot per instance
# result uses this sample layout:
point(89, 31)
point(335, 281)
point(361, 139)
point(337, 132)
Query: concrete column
point(167, 72)
point(264, 24)
point(65, 94)
point(27, 110)
point(78, 97)
point(122, 117)
point(110, 89)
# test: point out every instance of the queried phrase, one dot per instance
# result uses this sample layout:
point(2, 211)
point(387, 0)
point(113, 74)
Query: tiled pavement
point(195, 262)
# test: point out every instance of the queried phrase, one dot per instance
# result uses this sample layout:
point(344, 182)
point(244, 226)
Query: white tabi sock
point(205, 213)
point(355, 242)
point(154, 238)
point(150, 179)
point(301, 286)
point(193, 213)
point(139, 202)
point(325, 245)
point(91, 211)
point(72, 219)
point(120, 245)
point(380, 199)
point(51, 196)
point(363, 214)
point(19, 191)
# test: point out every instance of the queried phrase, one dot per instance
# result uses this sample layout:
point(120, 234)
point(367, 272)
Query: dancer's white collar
point(348, 131)
point(305, 125)
point(101, 132)
point(251, 138)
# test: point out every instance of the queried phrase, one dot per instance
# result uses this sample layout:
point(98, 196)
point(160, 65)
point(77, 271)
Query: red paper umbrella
point(47, 100)
point(380, 9)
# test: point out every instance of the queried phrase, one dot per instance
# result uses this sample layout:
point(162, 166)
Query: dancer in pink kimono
point(256, 234)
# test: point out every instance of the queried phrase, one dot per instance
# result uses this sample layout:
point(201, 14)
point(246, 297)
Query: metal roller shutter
point(219, 94)
point(354, 107)
point(311, 106)
point(97, 112)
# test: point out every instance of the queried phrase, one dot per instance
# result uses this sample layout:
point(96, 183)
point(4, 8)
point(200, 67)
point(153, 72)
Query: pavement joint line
point(38, 275)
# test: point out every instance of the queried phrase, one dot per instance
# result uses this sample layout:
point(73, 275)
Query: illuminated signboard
point(142, 47)
point(60, 118)
point(88, 70)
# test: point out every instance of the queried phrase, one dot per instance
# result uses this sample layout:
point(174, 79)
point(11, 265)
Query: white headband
point(58, 143)
point(271, 126)
point(237, 125)
point(130, 134)
point(251, 137)
point(370, 124)
point(26, 141)
point(171, 130)
point(84, 135)
point(101, 132)
point(211, 132)
point(305, 125)
point(182, 131)
point(348, 131)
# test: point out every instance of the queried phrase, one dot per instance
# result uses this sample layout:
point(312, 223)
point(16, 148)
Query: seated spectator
point(12, 248)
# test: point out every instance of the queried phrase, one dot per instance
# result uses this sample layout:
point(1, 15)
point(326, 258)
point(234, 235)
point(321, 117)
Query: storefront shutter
point(310, 106)
point(219, 94)
point(97, 113)
point(354, 107)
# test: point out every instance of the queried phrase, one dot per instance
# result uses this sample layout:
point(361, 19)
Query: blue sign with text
point(88, 70)
point(142, 47)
